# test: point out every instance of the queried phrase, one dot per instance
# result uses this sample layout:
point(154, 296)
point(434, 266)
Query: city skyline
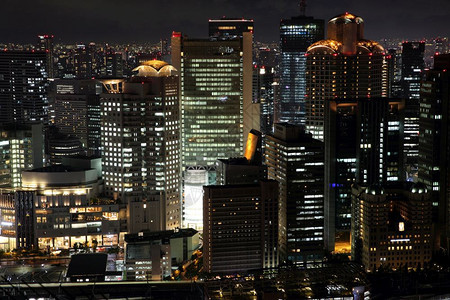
point(113, 21)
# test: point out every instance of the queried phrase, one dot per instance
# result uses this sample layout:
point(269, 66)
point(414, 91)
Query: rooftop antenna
point(302, 7)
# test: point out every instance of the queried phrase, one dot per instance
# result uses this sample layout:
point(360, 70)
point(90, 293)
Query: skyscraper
point(216, 104)
point(23, 87)
point(240, 227)
point(263, 93)
point(296, 34)
point(76, 104)
point(344, 66)
point(45, 43)
point(141, 146)
point(295, 160)
point(434, 144)
point(412, 68)
point(363, 144)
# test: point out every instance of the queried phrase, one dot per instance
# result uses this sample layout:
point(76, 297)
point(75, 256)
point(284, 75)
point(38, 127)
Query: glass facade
point(296, 35)
point(212, 101)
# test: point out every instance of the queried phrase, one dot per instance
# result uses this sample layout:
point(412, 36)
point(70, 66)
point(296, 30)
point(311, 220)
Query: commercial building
point(264, 94)
point(295, 160)
point(344, 66)
point(412, 72)
point(140, 138)
point(296, 35)
point(433, 160)
point(363, 144)
point(240, 230)
point(76, 105)
point(21, 148)
point(216, 97)
point(23, 86)
point(151, 255)
point(45, 44)
point(58, 206)
point(391, 225)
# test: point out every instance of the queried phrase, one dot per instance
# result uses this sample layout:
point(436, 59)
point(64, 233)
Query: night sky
point(148, 21)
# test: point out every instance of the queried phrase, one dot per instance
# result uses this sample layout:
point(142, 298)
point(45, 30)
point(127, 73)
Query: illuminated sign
point(401, 226)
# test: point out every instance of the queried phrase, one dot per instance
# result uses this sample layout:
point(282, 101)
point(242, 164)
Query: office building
point(140, 138)
point(433, 169)
point(58, 206)
point(76, 105)
point(240, 227)
point(151, 255)
point(21, 148)
point(391, 225)
point(363, 144)
point(263, 93)
point(229, 28)
point(296, 34)
point(295, 160)
point(216, 97)
point(344, 66)
point(23, 86)
point(45, 43)
point(412, 72)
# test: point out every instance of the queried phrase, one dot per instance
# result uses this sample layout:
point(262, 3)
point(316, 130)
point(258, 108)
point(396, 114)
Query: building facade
point(344, 66)
point(140, 141)
point(296, 35)
point(295, 160)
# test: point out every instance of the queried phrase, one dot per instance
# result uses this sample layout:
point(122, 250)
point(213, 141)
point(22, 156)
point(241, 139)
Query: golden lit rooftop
point(330, 44)
point(346, 18)
point(154, 68)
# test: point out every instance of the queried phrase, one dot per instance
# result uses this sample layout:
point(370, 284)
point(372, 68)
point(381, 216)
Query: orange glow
point(250, 148)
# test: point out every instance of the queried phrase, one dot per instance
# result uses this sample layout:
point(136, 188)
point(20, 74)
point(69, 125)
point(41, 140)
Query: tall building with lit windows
point(344, 66)
point(434, 143)
point(412, 72)
point(141, 145)
point(295, 160)
point(363, 144)
point(296, 34)
point(23, 87)
point(45, 43)
point(216, 97)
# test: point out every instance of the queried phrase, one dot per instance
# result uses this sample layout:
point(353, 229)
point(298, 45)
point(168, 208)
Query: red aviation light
point(176, 34)
point(370, 54)
point(335, 54)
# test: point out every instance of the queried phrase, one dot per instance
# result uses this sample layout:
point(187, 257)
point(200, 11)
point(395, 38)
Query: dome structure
point(154, 68)
point(325, 47)
point(368, 46)
point(346, 18)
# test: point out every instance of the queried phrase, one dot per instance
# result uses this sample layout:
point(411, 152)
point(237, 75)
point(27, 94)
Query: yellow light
point(250, 148)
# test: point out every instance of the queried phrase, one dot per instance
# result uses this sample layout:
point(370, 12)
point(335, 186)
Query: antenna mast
point(302, 7)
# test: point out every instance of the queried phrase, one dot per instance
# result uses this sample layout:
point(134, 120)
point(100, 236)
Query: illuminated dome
point(375, 189)
point(325, 46)
point(346, 18)
point(370, 46)
point(154, 68)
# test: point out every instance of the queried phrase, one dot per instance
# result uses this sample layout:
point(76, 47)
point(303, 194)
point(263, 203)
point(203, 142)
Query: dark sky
point(148, 20)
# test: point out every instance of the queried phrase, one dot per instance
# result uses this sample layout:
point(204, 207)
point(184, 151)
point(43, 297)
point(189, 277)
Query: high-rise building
point(296, 34)
point(83, 61)
point(363, 144)
point(412, 73)
point(240, 227)
point(295, 160)
point(76, 104)
point(45, 43)
point(140, 139)
point(229, 28)
point(23, 87)
point(391, 225)
point(344, 66)
point(263, 93)
point(216, 97)
point(21, 148)
point(434, 143)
